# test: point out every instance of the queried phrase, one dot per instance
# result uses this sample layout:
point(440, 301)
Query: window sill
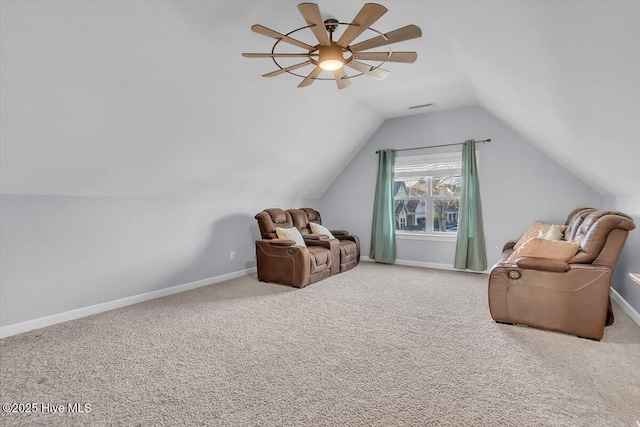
point(424, 236)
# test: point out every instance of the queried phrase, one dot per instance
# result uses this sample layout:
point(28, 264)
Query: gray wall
point(61, 253)
point(519, 183)
point(629, 261)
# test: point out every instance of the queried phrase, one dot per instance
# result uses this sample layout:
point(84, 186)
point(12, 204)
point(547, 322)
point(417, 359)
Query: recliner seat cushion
point(348, 248)
point(320, 258)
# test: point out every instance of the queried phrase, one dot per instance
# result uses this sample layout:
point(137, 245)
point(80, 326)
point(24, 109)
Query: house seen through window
point(427, 193)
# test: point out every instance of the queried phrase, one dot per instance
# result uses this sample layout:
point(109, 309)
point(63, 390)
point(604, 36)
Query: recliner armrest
point(280, 261)
point(509, 245)
point(337, 233)
point(281, 242)
point(351, 237)
point(325, 243)
point(543, 264)
point(315, 237)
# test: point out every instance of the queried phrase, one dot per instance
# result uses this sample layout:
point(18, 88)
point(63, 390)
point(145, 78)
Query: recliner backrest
point(300, 220)
point(270, 219)
point(313, 215)
point(594, 233)
point(574, 220)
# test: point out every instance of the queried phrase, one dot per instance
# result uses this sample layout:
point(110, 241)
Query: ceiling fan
point(329, 55)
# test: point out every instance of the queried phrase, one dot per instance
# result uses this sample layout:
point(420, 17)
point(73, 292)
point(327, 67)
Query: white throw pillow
point(291, 234)
point(321, 229)
point(554, 233)
point(533, 232)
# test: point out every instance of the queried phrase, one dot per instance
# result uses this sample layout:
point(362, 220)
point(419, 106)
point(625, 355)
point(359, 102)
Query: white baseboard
point(18, 328)
point(424, 264)
point(625, 306)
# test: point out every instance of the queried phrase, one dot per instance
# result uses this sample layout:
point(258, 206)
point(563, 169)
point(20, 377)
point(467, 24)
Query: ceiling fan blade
point(341, 81)
point(311, 77)
point(401, 34)
point(284, 70)
point(407, 57)
point(369, 14)
point(311, 13)
point(376, 73)
point(276, 35)
point(275, 55)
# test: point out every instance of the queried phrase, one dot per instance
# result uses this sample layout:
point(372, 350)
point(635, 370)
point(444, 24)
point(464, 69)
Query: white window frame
point(428, 235)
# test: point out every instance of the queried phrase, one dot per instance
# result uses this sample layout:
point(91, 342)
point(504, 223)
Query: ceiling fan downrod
point(331, 25)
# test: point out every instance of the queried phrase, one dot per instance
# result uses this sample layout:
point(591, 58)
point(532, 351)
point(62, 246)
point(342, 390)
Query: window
point(427, 194)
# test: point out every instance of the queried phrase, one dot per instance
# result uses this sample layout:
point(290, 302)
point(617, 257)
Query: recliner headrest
point(594, 230)
point(270, 219)
point(313, 215)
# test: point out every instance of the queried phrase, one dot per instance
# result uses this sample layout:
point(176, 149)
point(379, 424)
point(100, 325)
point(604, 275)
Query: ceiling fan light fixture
point(331, 58)
point(329, 55)
point(331, 64)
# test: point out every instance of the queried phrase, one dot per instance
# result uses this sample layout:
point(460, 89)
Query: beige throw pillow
point(321, 229)
point(559, 250)
point(291, 234)
point(533, 232)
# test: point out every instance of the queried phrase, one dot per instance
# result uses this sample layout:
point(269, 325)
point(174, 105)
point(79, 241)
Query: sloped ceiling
point(145, 98)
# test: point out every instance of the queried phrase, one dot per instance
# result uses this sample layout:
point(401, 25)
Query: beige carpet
point(376, 346)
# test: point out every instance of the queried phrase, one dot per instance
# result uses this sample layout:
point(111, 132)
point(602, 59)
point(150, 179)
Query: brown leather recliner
point(349, 245)
point(280, 261)
point(570, 297)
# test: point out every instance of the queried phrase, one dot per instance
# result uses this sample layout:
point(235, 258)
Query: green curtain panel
point(383, 229)
point(471, 253)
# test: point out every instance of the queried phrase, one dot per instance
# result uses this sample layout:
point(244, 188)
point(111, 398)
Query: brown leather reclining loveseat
point(572, 296)
point(281, 261)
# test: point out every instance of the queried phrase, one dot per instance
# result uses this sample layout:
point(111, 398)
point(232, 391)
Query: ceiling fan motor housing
point(331, 25)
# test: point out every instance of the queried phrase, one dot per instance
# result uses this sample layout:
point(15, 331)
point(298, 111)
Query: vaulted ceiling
point(153, 98)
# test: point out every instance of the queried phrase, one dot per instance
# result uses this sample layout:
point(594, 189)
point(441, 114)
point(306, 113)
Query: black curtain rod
point(441, 145)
